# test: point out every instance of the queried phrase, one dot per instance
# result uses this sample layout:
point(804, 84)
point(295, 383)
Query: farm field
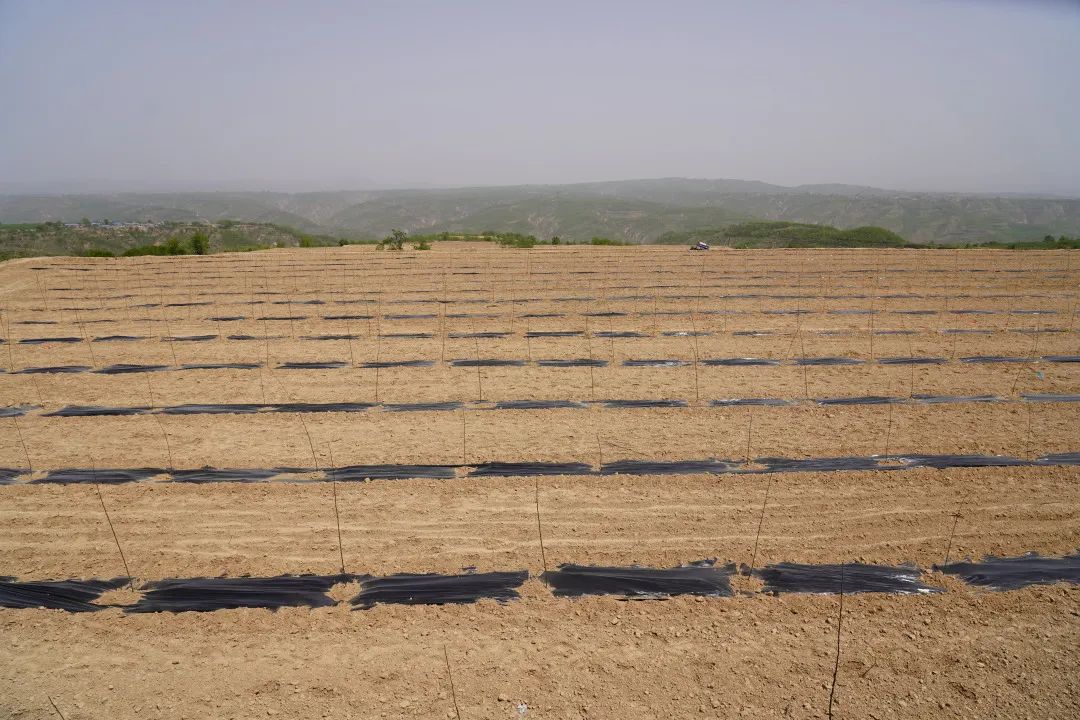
point(466, 410)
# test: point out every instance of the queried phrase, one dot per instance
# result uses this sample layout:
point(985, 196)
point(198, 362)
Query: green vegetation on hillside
point(773, 234)
point(105, 239)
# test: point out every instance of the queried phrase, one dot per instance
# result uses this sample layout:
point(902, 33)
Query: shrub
point(200, 243)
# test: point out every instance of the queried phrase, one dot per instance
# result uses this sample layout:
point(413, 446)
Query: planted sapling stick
point(479, 374)
point(839, 621)
point(450, 676)
point(337, 513)
point(18, 431)
point(108, 519)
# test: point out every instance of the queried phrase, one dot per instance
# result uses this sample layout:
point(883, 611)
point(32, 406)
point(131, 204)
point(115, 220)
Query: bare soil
point(962, 653)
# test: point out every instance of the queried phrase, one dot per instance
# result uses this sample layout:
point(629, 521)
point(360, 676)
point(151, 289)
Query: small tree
point(200, 244)
point(395, 240)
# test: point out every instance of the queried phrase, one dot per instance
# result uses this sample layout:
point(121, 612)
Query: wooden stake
point(453, 693)
point(839, 621)
point(337, 513)
point(22, 442)
point(101, 499)
point(539, 529)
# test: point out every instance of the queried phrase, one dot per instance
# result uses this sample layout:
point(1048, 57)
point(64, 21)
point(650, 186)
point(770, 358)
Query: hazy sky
point(948, 95)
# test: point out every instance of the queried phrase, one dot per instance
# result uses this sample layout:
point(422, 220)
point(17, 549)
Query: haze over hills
point(632, 210)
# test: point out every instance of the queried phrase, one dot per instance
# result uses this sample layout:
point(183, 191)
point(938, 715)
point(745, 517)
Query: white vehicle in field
point(700, 246)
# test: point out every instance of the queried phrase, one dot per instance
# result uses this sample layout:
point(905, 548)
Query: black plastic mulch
point(49, 369)
point(656, 363)
point(189, 338)
point(42, 341)
point(1062, 358)
point(633, 582)
point(554, 334)
point(300, 407)
point(1016, 572)
point(103, 476)
point(125, 368)
point(862, 400)
point(494, 362)
point(221, 366)
point(422, 407)
point(935, 399)
point(207, 594)
point(577, 362)
point(119, 338)
point(325, 365)
point(213, 409)
point(992, 359)
point(664, 467)
point(514, 469)
point(912, 361)
point(775, 464)
point(241, 475)
point(1050, 397)
point(829, 361)
point(434, 589)
point(360, 473)
point(95, 410)
point(852, 577)
point(739, 402)
point(69, 595)
point(15, 410)
point(640, 404)
point(1067, 458)
point(538, 404)
point(8, 475)
point(951, 461)
point(385, 364)
point(485, 335)
point(340, 336)
point(739, 362)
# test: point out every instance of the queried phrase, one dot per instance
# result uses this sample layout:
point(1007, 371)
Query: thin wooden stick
point(310, 443)
point(101, 499)
point(453, 693)
point(952, 533)
point(839, 621)
point(337, 513)
point(761, 520)
point(464, 453)
point(539, 529)
point(888, 430)
point(749, 430)
point(22, 442)
point(56, 708)
point(479, 375)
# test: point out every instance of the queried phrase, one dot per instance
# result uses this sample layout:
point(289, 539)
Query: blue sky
point(947, 95)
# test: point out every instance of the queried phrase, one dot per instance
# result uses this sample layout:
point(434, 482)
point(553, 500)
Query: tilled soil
point(961, 653)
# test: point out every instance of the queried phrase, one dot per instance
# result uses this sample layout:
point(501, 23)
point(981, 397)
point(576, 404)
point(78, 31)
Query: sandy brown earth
point(962, 653)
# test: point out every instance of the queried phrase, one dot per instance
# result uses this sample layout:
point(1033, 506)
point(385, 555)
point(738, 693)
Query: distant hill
point(630, 210)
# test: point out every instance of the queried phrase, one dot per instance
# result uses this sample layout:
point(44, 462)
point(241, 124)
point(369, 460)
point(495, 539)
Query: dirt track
point(963, 653)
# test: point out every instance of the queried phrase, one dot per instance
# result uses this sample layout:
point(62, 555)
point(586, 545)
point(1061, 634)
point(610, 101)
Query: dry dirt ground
point(963, 653)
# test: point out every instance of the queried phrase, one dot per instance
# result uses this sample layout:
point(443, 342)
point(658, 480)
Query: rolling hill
point(631, 210)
